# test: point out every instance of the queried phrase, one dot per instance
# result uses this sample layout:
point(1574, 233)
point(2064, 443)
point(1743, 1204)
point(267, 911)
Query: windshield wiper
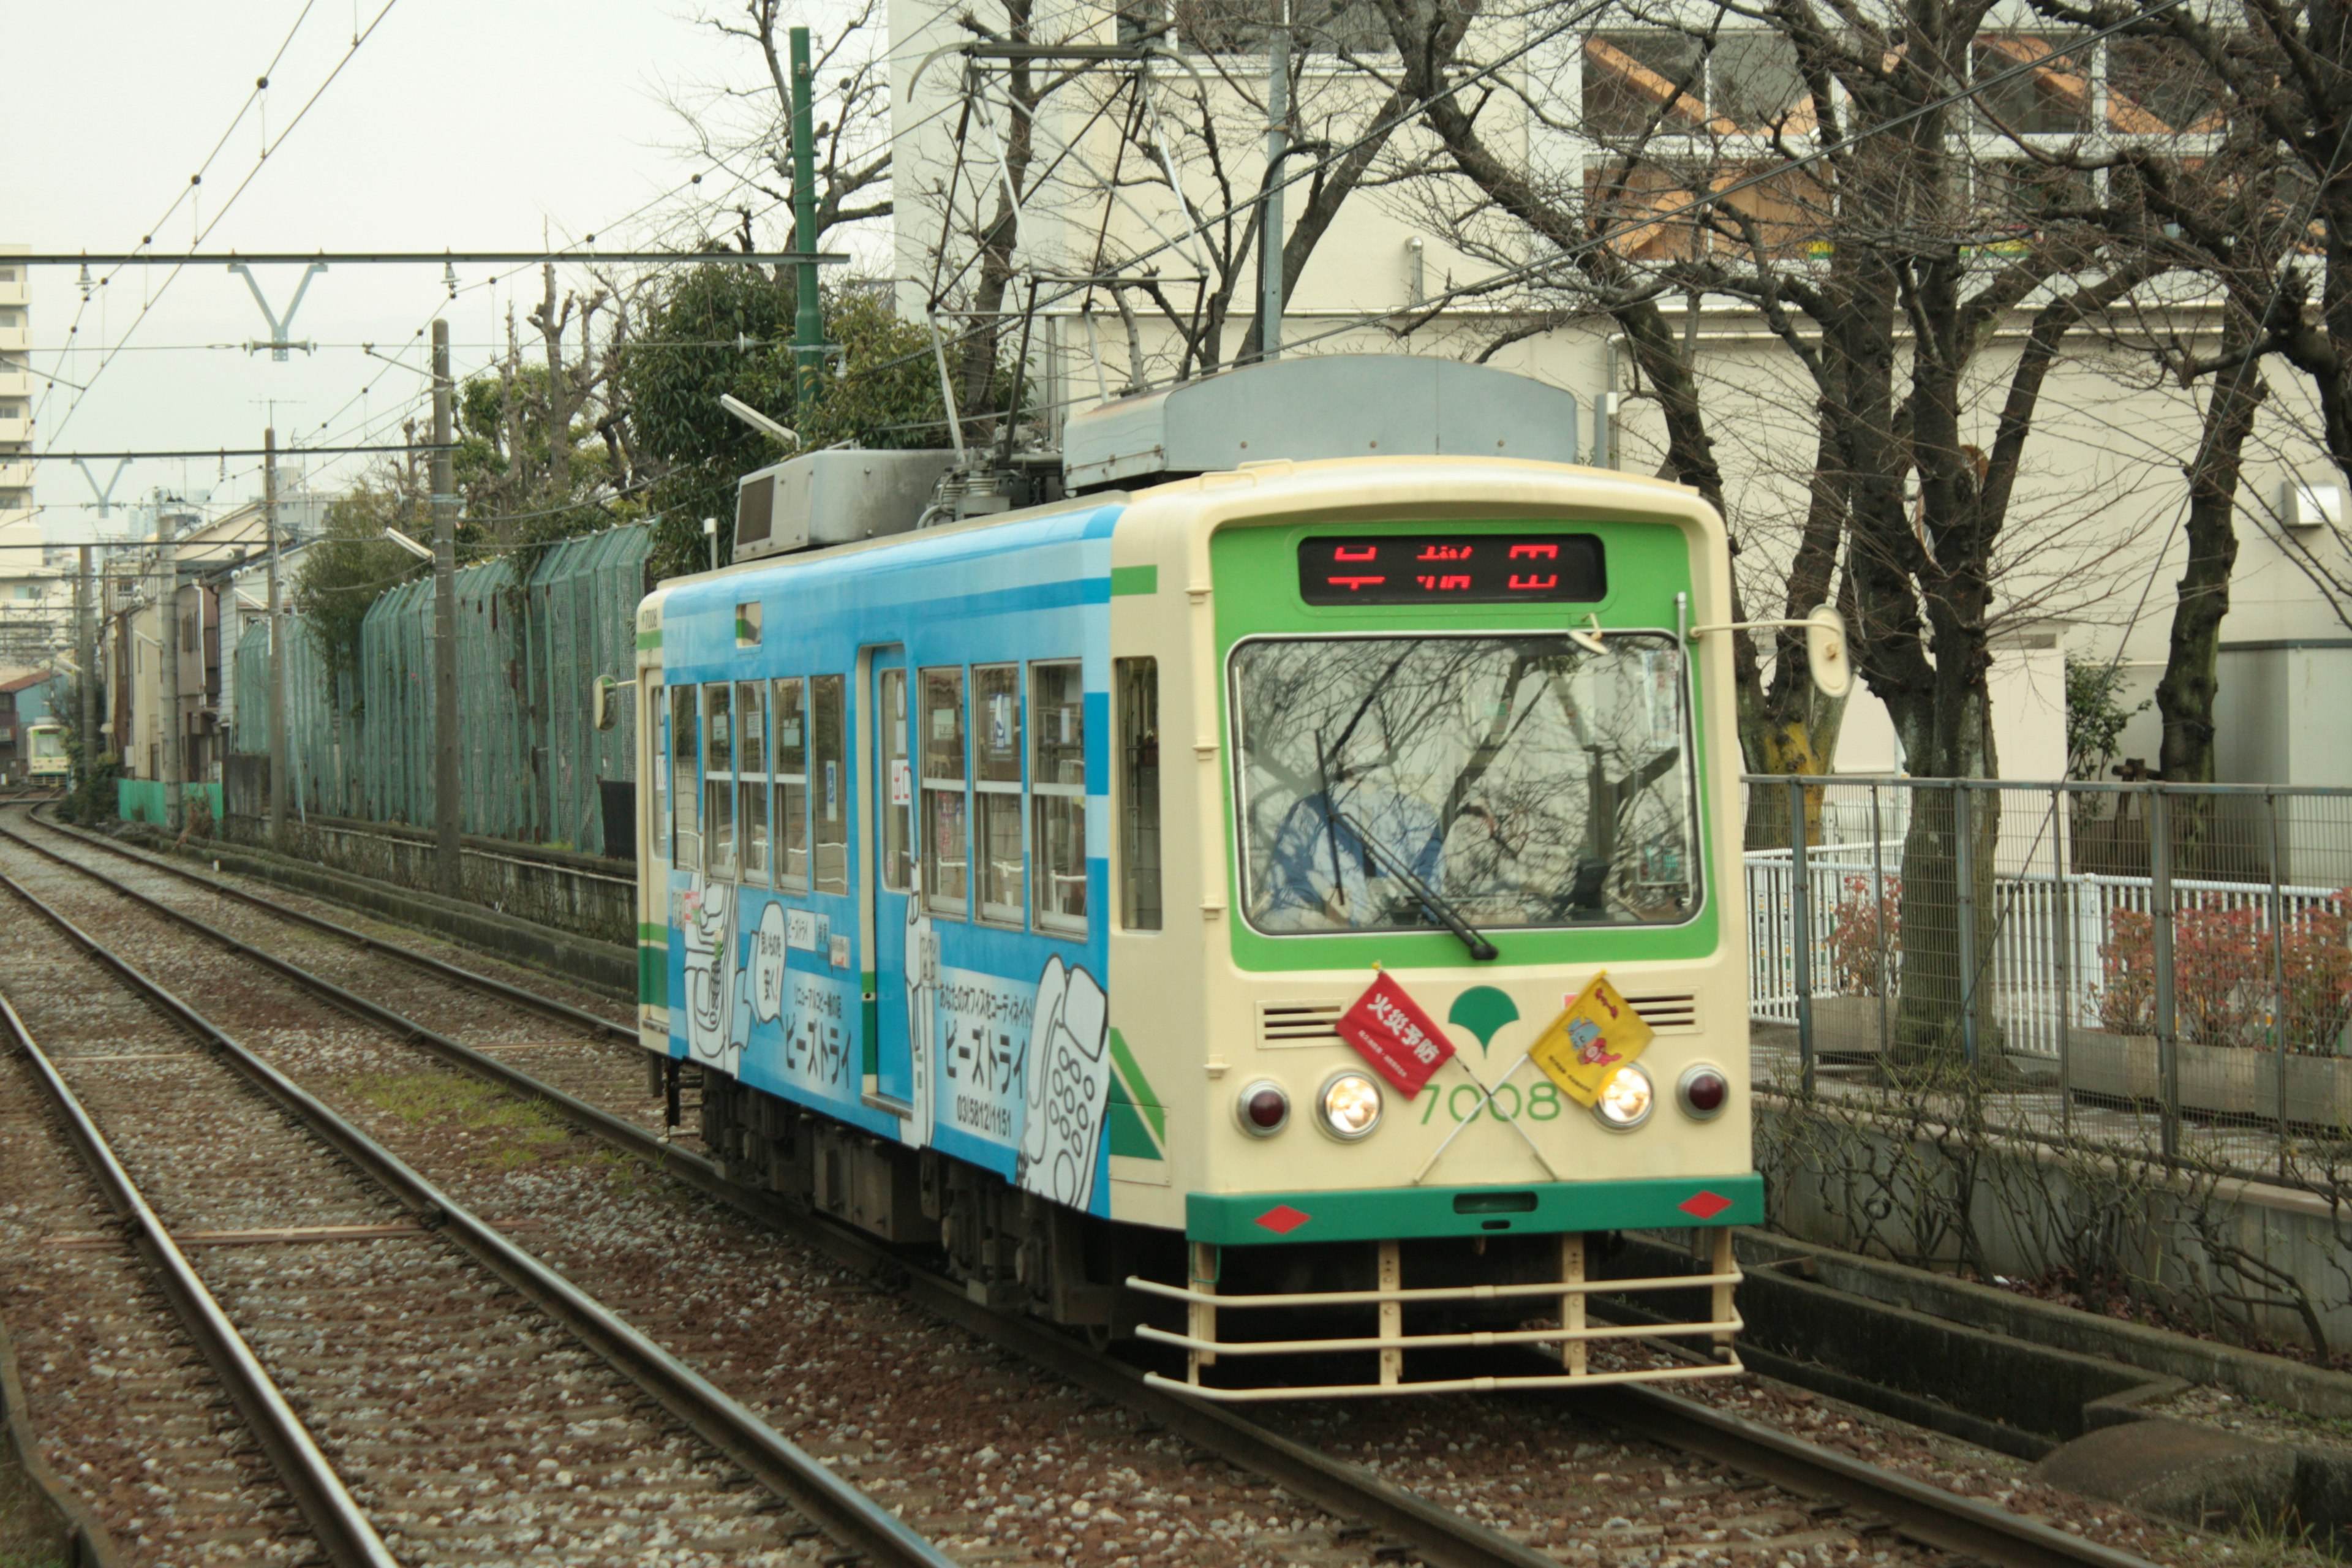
point(1451, 918)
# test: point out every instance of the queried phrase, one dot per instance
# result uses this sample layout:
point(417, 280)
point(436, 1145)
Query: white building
point(36, 597)
point(2094, 543)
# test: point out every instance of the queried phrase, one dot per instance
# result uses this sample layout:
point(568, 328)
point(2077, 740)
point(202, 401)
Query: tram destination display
point(1468, 568)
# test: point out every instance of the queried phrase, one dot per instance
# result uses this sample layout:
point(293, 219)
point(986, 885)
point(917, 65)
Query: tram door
point(897, 944)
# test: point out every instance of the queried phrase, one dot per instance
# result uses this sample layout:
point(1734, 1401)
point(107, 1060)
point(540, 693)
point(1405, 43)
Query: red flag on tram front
point(1389, 1029)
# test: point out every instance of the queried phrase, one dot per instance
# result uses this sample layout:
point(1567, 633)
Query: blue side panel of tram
point(1005, 1059)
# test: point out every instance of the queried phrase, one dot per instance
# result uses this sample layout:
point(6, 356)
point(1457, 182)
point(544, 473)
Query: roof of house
point(22, 681)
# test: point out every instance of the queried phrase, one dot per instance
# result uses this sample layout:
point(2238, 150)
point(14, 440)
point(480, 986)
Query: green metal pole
point(808, 327)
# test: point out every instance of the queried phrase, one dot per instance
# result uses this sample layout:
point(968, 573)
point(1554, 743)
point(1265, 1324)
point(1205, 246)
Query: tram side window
point(1138, 685)
point(790, 728)
point(751, 777)
point(1058, 779)
point(650, 730)
point(685, 726)
point(898, 773)
point(717, 782)
point(947, 833)
point(996, 785)
point(829, 784)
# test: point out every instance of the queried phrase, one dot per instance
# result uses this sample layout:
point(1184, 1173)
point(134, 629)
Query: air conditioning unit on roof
point(833, 498)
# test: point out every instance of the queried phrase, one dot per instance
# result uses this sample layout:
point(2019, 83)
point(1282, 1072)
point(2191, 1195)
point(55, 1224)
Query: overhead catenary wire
point(260, 85)
point(242, 186)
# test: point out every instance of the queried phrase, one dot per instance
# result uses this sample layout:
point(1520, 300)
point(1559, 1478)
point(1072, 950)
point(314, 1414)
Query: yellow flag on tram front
point(1598, 1033)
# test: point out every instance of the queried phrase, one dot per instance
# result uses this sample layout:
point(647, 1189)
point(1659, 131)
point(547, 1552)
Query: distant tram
point(45, 752)
point(1184, 908)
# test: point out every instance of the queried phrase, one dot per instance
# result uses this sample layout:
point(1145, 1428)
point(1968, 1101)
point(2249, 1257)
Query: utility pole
point(444, 628)
point(1269, 239)
point(808, 322)
point(167, 624)
point(277, 652)
point(86, 656)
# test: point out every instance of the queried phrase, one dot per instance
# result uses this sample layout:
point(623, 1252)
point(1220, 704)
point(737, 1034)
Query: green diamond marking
point(1481, 1010)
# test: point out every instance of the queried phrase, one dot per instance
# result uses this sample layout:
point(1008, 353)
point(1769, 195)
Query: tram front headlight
point(1349, 1106)
point(1625, 1098)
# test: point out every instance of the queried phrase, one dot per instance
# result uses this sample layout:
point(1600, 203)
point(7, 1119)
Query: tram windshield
point(1524, 781)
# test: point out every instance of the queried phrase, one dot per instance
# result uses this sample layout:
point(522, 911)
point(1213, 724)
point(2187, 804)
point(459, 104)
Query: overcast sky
point(458, 123)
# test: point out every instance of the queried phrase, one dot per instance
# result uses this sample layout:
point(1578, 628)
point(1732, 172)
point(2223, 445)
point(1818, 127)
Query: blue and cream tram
point(1174, 903)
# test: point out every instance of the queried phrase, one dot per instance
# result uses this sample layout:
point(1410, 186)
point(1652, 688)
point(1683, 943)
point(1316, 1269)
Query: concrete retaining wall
point(2244, 1259)
point(587, 895)
point(583, 961)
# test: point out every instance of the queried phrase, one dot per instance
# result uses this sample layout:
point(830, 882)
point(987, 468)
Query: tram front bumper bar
point(1203, 1346)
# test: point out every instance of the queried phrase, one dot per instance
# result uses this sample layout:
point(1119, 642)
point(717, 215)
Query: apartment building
point(35, 595)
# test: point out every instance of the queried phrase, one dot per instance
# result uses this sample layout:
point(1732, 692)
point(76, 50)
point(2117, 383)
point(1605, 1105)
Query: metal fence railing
point(2110, 960)
point(532, 763)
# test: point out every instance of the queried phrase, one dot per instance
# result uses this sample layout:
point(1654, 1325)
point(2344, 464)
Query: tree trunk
point(2185, 697)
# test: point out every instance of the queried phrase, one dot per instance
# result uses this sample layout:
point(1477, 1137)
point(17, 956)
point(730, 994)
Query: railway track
point(400, 1361)
point(1362, 1506)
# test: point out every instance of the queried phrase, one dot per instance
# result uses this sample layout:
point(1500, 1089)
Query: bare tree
point(1877, 187)
point(850, 117)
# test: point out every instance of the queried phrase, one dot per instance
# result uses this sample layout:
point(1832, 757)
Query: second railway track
point(425, 1389)
point(992, 1503)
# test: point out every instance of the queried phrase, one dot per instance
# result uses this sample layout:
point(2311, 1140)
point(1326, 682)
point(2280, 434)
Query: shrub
point(2226, 969)
point(1856, 958)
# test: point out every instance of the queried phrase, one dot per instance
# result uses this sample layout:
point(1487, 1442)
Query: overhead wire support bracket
point(277, 344)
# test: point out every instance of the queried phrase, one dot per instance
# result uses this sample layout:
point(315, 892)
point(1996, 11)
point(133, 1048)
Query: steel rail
point(519, 996)
point(1919, 1512)
point(336, 1519)
point(1443, 1538)
point(840, 1510)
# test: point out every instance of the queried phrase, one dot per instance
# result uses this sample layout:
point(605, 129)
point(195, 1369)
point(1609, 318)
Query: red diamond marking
point(1698, 1206)
point(1282, 1219)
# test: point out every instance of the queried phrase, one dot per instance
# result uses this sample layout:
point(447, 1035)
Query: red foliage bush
point(2228, 970)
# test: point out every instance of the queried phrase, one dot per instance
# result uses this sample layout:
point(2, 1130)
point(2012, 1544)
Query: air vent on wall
point(1668, 1014)
point(1298, 1023)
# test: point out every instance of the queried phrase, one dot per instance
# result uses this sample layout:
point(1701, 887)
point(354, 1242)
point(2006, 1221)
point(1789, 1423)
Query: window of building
point(2051, 99)
point(947, 833)
point(751, 777)
point(829, 784)
point(996, 789)
point(789, 729)
point(2158, 88)
point(898, 773)
point(1657, 81)
point(1057, 780)
point(1137, 683)
point(685, 767)
point(1243, 27)
point(719, 782)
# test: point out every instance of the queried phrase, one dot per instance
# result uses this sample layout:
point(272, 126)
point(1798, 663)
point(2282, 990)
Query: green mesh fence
point(531, 760)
